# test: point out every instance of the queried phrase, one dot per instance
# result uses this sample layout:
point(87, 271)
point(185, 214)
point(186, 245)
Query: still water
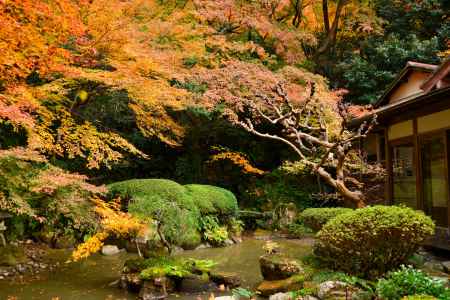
point(90, 279)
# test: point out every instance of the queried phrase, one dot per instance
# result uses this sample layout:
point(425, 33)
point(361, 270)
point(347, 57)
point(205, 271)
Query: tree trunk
point(330, 39)
point(326, 18)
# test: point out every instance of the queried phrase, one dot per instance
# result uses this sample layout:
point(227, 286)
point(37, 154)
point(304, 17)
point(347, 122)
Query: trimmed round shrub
point(212, 199)
point(177, 207)
point(413, 283)
point(371, 241)
point(315, 218)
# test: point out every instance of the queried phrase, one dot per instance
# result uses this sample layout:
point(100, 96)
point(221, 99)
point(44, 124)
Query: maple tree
point(305, 130)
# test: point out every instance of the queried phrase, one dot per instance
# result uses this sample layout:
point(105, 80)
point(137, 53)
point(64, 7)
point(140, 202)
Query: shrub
point(298, 230)
point(212, 199)
point(315, 218)
point(409, 281)
point(373, 240)
point(178, 208)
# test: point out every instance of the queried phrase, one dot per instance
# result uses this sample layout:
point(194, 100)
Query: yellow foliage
point(92, 245)
point(113, 222)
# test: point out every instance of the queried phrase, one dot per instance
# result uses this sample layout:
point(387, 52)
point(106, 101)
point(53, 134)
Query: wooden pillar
point(388, 191)
point(417, 167)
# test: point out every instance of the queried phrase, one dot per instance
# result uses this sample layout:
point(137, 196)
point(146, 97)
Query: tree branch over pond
point(304, 130)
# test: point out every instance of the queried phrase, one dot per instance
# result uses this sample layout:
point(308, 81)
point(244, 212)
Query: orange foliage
point(113, 222)
point(237, 159)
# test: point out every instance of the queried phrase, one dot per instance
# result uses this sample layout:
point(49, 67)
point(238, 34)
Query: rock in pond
point(226, 298)
point(131, 282)
point(226, 278)
point(267, 288)
point(276, 267)
point(151, 290)
point(446, 266)
point(281, 296)
point(110, 250)
point(196, 284)
point(336, 290)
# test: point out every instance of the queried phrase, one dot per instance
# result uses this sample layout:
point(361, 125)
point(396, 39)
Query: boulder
point(150, 291)
point(228, 242)
point(276, 267)
point(196, 284)
point(281, 296)
point(131, 282)
point(203, 246)
point(267, 288)
point(110, 250)
point(336, 290)
point(226, 298)
point(433, 267)
point(446, 266)
point(226, 278)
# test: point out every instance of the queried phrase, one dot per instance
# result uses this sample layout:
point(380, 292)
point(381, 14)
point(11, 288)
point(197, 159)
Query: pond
point(90, 279)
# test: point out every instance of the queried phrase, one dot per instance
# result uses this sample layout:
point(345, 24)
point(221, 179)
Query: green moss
point(168, 266)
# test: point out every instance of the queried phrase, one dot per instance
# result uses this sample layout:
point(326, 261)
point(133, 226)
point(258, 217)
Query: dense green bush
point(178, 208)
point(315, 218)
point(408, 281)
point(373, 240)
point(212, 199)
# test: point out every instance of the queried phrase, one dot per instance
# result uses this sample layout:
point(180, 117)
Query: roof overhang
point(387, 112)
point(410, 66)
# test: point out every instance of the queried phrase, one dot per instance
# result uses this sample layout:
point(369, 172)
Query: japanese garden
point(224, 149)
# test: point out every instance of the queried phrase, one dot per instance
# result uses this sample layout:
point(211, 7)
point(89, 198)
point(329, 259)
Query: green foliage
point(296, 230)
point(212, 199)
point(179, 208)
point(283, 185)
point(367, 74)
point(316, 218)
point(419, 297)
point(240, 292)
point(409, 281)
point(160, 266)
point(191, 86)
point(212, 231)
point(371, 241)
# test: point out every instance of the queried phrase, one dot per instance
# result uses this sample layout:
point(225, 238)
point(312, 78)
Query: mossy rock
point(11, 256)
point(277, 266)
point(267, 288)
point(226, 278)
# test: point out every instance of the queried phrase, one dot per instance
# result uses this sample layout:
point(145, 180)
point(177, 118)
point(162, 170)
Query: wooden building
point(412, 140)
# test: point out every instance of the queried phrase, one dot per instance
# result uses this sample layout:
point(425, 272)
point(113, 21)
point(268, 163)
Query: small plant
point(271, 247)
point(409, 281)
point(239, 293)
point(212, 231)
